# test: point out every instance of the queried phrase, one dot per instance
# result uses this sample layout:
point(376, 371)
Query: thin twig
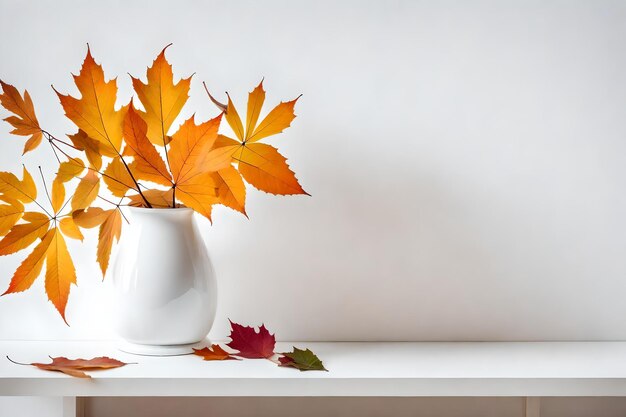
point(108, 201)
point(39, 205)
point(72, 160)
point(122, 213)
point(49, 136)
point(118, 154)
point(54, 151)
point(65, 204)
point(45, 187)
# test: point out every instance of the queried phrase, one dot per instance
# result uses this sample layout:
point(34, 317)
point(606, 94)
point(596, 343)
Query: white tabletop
point(355, 369)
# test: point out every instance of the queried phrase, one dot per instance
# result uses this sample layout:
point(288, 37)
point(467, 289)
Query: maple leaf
point(193, 160)
point(262, 165)
point(250, 343)
point(148, 164)
point(24, 121)
point(76, 367)
point(214, 353)
point(162, 99)
point(304, 360)
point(94, 113)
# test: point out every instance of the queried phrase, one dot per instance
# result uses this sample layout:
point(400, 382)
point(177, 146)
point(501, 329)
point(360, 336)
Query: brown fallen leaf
point(214, 353)
point(75, 367)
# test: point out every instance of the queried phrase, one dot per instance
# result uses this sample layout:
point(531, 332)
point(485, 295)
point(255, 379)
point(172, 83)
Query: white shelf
point(356, 369)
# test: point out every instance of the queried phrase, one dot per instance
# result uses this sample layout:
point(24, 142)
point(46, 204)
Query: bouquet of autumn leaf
point(139, 160)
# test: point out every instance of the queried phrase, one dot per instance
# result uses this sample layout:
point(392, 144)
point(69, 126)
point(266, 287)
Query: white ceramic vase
point(164, 286)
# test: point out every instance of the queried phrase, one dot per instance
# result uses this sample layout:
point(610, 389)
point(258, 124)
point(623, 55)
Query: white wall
point(467, 161)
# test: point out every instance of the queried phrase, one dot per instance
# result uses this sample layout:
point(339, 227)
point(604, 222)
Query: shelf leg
point(533, 406)
point(73, 407)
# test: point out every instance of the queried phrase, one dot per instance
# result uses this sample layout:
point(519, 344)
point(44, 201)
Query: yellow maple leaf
point(262, 165)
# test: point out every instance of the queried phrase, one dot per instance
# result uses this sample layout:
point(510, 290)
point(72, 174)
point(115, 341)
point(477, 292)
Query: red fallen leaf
point(75, 367)
point(213, 353)
point(250, 343)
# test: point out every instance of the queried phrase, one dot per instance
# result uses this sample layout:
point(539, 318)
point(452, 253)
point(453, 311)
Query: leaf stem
point(145, 200)
point(40, 206)
point(49, 136)
point(45, 187)
point(219, 105)
point(17, 363)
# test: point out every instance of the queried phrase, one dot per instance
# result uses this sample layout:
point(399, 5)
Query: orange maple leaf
point(94, 113)
point(147, 164)
point(162, 99)
point(193, 161)
point(214, 353)
point(24, 121)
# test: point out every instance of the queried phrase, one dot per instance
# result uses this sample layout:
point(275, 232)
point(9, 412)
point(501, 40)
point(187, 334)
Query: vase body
point(164, 286)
